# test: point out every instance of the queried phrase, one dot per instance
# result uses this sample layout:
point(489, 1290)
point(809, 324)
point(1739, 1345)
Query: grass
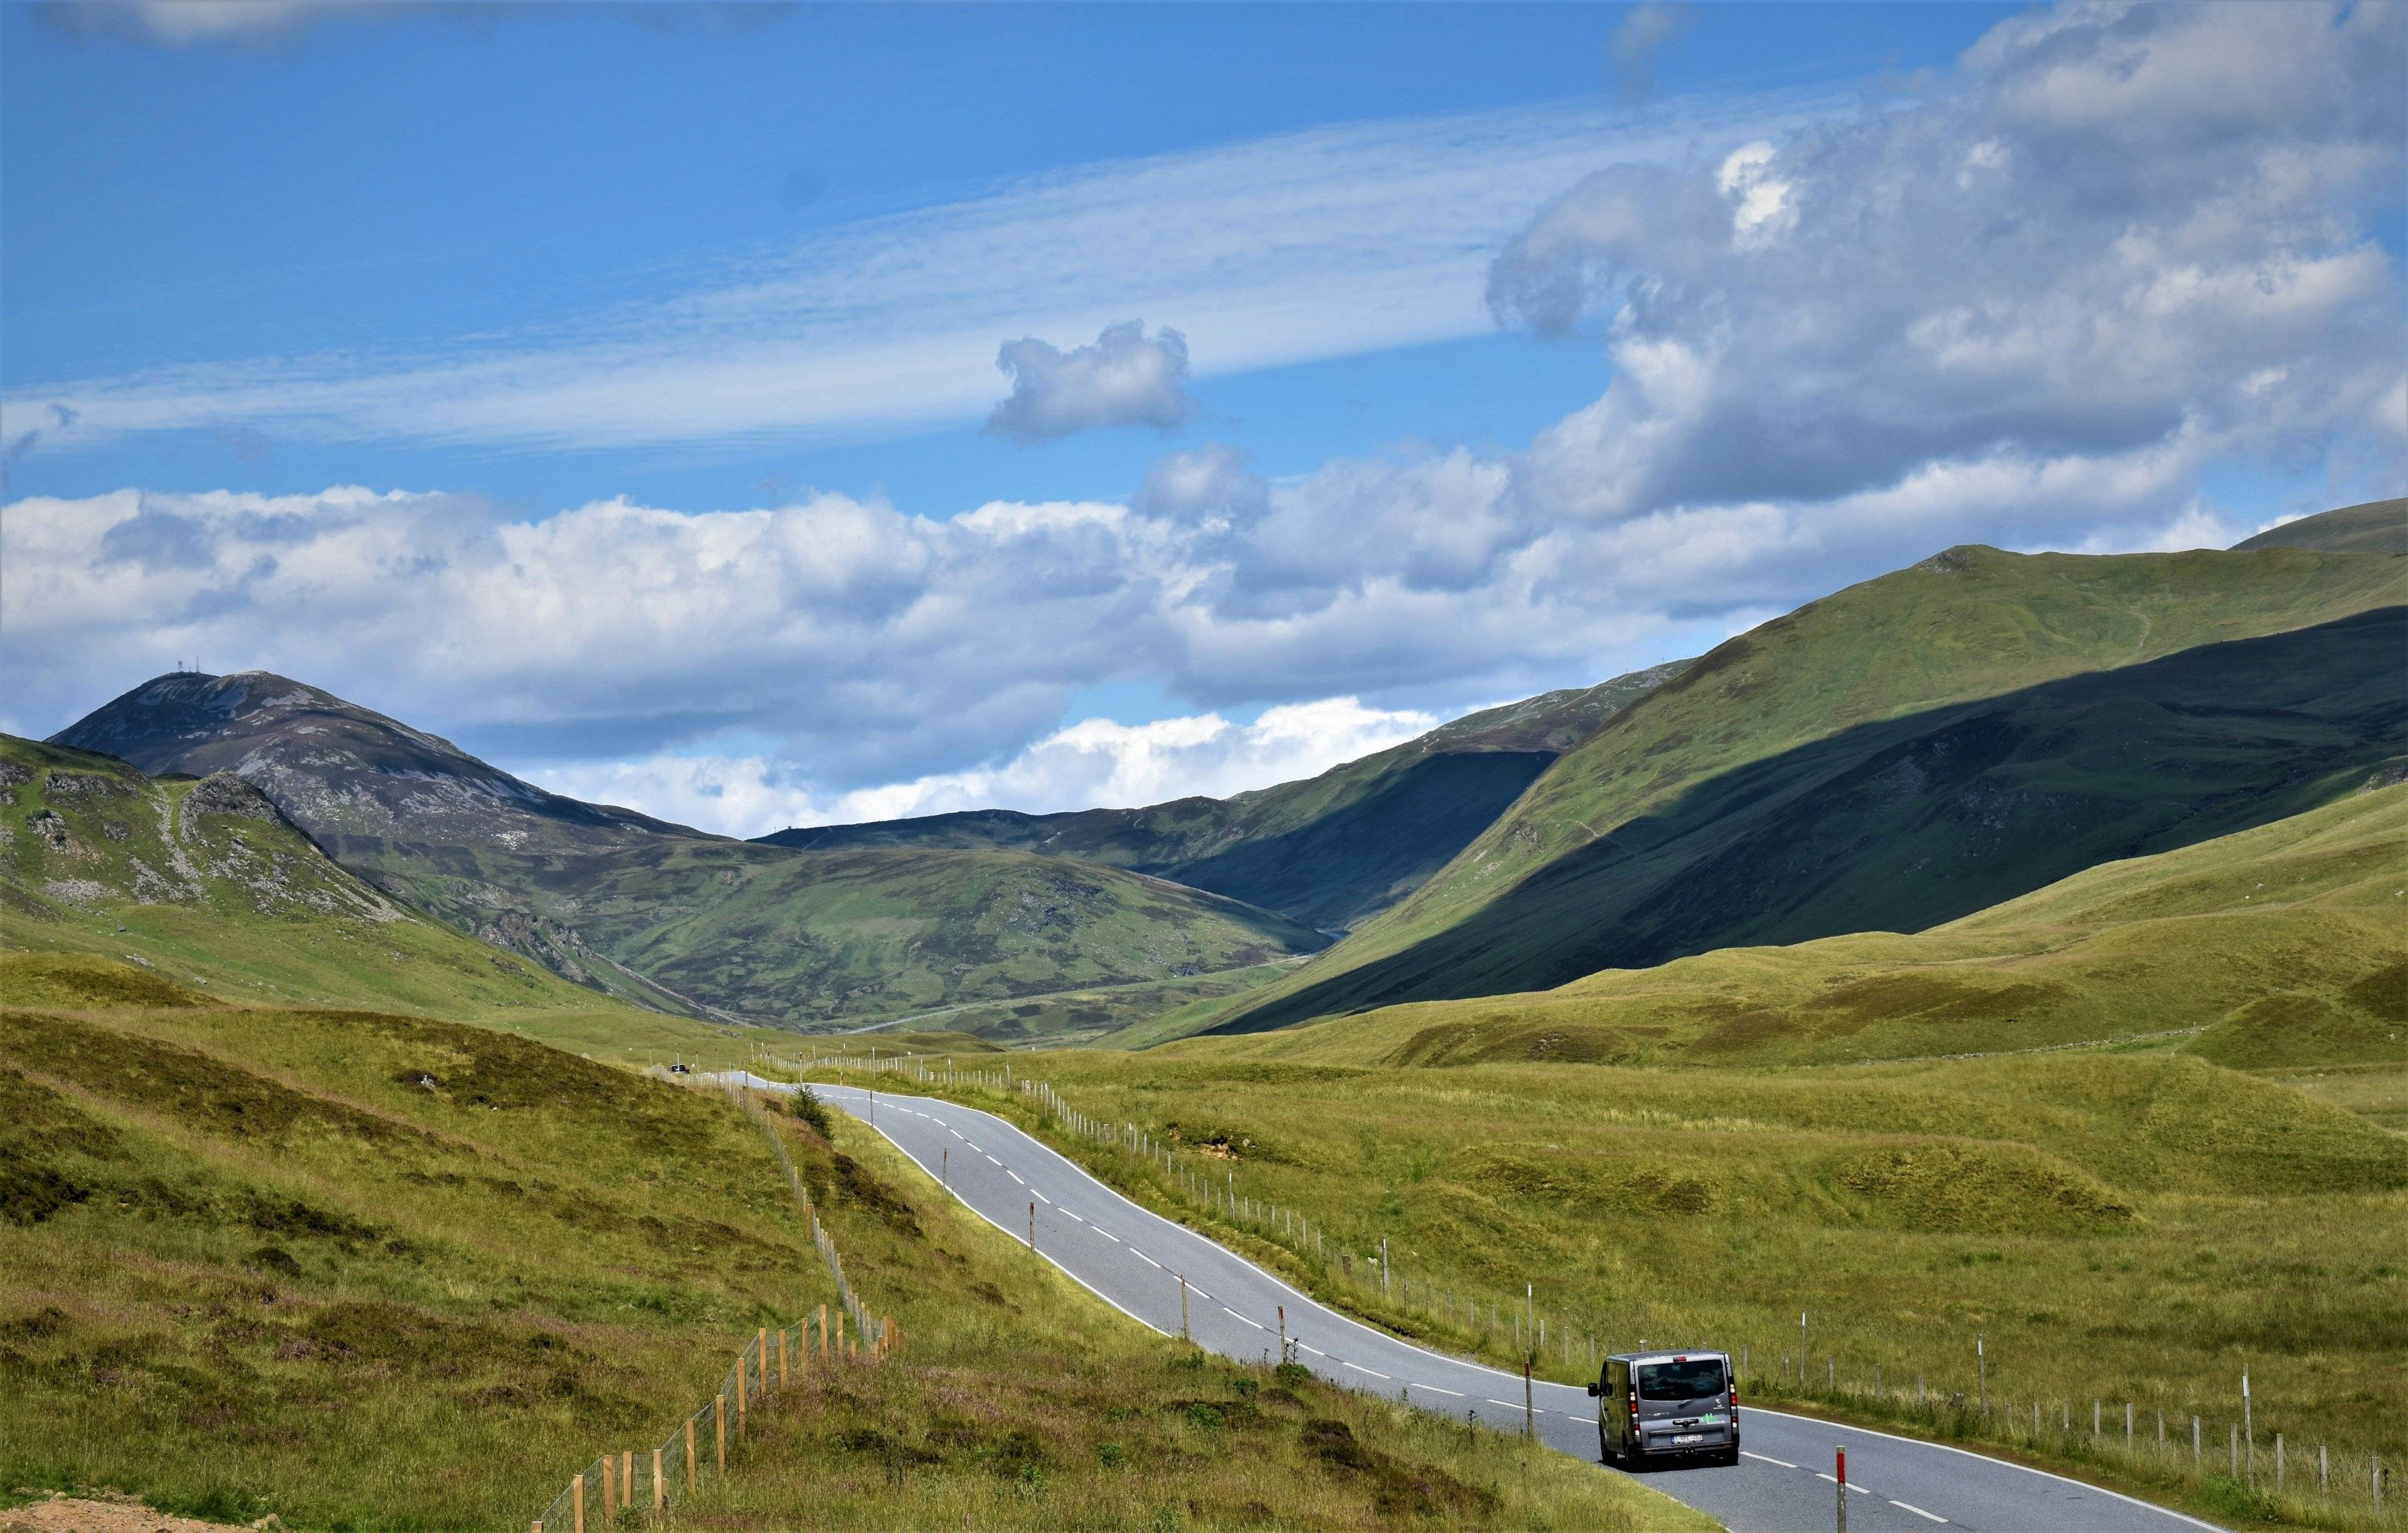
point(2114, 1225)
point(361, 1269)
point(1018, 1401)
point(377, 1271)
point(2281, 947)
point(1906, 752)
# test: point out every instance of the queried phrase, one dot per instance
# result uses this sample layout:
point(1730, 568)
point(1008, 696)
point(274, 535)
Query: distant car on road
point(681, 1069)
point(1665, 1407)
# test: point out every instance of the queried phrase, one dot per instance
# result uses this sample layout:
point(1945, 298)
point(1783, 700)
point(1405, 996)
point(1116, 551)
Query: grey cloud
point(1630, 52)
point(1210, 486)
point(159, 541)
point(1125, 379)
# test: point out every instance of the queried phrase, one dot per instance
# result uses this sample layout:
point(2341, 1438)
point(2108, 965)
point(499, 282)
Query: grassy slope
point(2377, 527)
point(666, 916)
point(1082, 1016)
point(2282, 946)
point(1327, 851)
point(250, 1262)
point(1018, 1401)
point(1919, 746)
point(805, 937)
point(2117, 1225)
point(253, 1264)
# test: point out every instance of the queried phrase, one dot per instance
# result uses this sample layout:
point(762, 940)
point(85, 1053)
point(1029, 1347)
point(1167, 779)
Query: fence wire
point(699, 1446)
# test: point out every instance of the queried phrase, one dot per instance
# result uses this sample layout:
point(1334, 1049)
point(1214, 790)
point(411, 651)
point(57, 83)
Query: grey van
point(1658, 1406)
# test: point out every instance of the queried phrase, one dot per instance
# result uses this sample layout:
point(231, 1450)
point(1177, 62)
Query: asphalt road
point(1134, 1260)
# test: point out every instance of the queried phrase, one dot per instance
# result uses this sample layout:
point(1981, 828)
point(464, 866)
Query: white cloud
point(2117, 229)
point(1317, 244)
point(1092, 764)
point(1125, 379)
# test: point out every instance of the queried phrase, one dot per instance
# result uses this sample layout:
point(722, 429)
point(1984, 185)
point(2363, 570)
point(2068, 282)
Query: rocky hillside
point(204, 882)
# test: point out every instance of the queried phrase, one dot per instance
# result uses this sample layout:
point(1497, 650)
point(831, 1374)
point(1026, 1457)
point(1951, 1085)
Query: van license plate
point(1687, 1438)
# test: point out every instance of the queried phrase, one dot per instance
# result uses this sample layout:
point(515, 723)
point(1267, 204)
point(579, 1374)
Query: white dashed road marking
point(1359, 1368)
point(1014, 1175)
point(1761, 1459)
point(1919, 1512)
point(1436, 1390)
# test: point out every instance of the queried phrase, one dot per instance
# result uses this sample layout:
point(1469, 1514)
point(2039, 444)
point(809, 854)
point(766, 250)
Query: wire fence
point(636, 1480)
point(2253, 1459)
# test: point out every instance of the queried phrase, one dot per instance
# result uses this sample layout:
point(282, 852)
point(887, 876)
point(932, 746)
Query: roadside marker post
point(1529, 1407)
point(1182, 1309)
point(1842, 1463)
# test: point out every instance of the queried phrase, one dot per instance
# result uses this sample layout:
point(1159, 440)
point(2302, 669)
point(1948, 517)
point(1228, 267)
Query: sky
point(762, 415)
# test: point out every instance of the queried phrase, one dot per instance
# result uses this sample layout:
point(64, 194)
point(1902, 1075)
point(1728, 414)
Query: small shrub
point(806, 1106)
point(1112, 1455)
point(1292, 1375)
point(1205, 1417)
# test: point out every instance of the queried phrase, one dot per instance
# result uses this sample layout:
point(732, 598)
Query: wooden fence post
point(609, 1491)
point(691, 1467)
point(823, 1335)
point(577, 1499)
point(782, 1358)
point(743, 1387)
point(762, 1351)
point(719, 1414)
point(660, 1487)
point(628, 1477)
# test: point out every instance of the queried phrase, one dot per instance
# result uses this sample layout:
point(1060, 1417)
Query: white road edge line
point(1761, 1459)
point(1918, 1511)
point(1368, 1331)
point(1506, 1404)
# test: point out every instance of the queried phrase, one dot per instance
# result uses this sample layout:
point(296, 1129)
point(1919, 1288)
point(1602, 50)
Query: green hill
point(2281, 947)
point(1904, 752)
point(1329, 851)
point(202, 882)
point(2378, 526)
point(662, 916)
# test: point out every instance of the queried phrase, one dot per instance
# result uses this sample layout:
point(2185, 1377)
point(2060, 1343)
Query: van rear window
point(1691, 1381)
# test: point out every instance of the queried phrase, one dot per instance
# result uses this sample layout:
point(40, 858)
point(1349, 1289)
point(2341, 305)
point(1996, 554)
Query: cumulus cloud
point(1125, 379)
point(1094, 763)
point(2117, 231)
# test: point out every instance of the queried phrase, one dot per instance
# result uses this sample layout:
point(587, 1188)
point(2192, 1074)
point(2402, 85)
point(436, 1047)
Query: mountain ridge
point(1964, 625)
point(660, 914)
point(1329, 849)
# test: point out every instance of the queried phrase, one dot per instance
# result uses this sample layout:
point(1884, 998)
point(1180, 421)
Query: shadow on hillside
point(1908, 822)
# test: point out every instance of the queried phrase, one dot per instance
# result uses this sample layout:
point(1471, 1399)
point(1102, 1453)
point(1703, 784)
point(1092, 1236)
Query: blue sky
point(303, 192)
point(1415, 402)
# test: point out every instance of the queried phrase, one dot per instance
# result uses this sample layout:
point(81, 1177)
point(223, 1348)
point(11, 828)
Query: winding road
point(1134, 1260)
